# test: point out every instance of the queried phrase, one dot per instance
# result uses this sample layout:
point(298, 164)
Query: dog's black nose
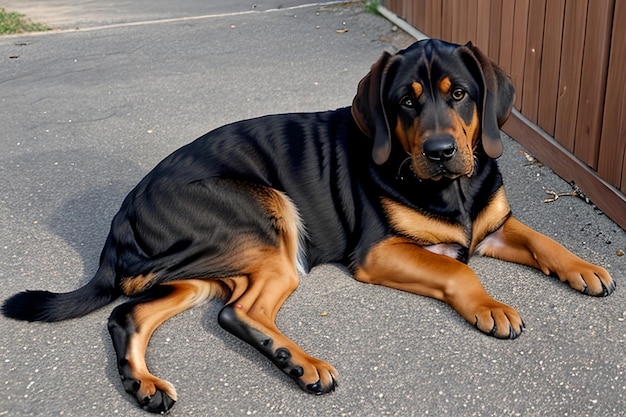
point(439, 147)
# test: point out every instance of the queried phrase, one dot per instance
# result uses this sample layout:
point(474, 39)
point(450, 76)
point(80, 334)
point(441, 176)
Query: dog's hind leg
point(131, 325)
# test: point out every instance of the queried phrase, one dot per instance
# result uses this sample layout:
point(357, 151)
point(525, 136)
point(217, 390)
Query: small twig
point(532, 161)
point(555, 195)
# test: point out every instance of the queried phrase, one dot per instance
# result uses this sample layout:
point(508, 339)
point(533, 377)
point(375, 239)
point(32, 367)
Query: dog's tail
point(48, 306)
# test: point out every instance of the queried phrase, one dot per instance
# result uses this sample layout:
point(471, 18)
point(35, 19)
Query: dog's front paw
point(587, 278)
point(326, 378)
point(498, 320)
point(312, 375)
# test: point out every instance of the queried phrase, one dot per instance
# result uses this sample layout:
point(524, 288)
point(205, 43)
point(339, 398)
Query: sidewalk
point(81, 14)
point(85, 114)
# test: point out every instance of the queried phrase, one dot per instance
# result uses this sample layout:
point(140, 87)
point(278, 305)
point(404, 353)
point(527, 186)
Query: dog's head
point(442, 102)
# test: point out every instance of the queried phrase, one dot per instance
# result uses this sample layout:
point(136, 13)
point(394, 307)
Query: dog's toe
point(499, 320)
point(153, 394)
point(160, 402)
point(587, 278)
point(326, 382)
point(319, 388)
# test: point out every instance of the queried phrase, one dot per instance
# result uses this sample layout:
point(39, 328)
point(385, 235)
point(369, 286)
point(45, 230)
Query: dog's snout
point(439, 147)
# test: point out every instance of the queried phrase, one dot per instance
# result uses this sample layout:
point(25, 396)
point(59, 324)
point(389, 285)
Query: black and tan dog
point(402, 187)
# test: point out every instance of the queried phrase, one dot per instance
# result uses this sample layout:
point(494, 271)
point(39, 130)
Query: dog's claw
point(159, 402)
point(513, 322)
point(315, 388)
point(318, 388)
point(606, 291)
point(494, 329)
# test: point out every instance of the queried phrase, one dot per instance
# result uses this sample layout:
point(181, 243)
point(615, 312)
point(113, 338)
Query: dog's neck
point(452, 199)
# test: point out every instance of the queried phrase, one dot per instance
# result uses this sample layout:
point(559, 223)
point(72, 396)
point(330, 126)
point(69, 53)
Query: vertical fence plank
point(623, 187)
point(399, 7)
point(532, 61)
point(472, 21)
point(612, 158)
point(520, 31)
point(394, 5)
point(433, 22)
point(418, 16)
point(446, 19)
point(482, 25)
point(506, 35)
point(495, 22)
point(459, 20)
point(593, 85)
point(550, 65)
point(571, 67)
point(407, 10)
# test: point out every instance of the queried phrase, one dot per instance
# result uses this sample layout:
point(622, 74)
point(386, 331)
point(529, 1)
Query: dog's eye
point(406, 101)
point(458, 94)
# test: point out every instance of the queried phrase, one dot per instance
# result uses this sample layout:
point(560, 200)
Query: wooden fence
point(567, 60)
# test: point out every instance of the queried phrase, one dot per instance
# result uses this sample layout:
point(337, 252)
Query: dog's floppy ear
point(368, 108)
point(498, 96)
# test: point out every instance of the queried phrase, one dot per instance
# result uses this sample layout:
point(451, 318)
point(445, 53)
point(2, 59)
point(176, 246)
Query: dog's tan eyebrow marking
point(444, 85)
point(417, 88)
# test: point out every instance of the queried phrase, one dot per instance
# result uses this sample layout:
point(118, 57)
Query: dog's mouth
point(444, 173)
point(409, 169)
point(431, 171)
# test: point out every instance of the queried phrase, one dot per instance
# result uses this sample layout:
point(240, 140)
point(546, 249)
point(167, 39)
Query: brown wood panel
point(393, 5)
point(520, 32)
point(506, 35)
point(532, 60)
point(418, 15)
point(447, 8)
point(593, 86)
point(483, 22)
point(472, 21)
point(623, 187)
point(398, 7)
point(550, 65)
point(612, 158)
point(459, 21)
point(571, 67)
point(495, 22)
point(407, 10)
point(433, 22)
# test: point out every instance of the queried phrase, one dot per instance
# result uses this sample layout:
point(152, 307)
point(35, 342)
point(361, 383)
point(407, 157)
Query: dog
point(402, 187)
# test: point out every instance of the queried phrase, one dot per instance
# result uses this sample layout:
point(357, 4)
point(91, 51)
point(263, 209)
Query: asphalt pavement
point(87, 109)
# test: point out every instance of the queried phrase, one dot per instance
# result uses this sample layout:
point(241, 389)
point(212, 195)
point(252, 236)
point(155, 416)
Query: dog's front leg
point(516, 242)
point(401, 264)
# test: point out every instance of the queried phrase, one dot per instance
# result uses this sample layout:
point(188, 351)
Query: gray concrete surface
point(86, 113)
point(84, 14)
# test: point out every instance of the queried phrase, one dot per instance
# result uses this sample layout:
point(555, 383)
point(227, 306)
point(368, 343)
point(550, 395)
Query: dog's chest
point(456, 235)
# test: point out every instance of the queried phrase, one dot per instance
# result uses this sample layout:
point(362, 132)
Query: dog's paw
point(153, 394)
point(312, 375)
point(498, 320)
point(319, 377)
point(587, 278)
